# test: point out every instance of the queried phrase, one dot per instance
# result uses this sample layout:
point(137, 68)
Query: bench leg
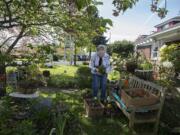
point(131, 124)
point(131, 120)
point(156, 126)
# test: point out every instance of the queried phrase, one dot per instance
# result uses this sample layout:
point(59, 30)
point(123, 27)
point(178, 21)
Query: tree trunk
point(64, 53)
point(2, 79)
point(75, 53)
point(90, 50)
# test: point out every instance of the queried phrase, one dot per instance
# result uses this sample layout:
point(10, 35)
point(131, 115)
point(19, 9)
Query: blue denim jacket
point(94, 62)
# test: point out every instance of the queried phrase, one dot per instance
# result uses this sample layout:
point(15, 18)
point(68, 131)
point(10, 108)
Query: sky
point(136, 21)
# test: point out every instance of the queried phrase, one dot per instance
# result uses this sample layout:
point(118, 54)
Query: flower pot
point(93, 108)
point(155, 75)
point(27, 86)
point(126, 83)
point(144, 74)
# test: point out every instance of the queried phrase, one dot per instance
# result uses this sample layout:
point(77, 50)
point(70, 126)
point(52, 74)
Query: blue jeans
point(102, 80)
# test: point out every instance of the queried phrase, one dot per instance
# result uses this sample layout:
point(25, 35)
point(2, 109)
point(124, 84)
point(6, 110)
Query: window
point(155, 52)
point(166, 26)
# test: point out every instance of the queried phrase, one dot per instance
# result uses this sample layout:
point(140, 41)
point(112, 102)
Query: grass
point(71, 71)
point(116, 125)
point(57, 70)
point(101, 126)
point(105, 125)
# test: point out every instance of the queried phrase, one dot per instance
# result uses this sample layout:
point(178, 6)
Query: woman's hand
point(97, 70)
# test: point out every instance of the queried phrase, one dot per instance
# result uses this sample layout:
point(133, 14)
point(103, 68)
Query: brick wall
point(146, 51)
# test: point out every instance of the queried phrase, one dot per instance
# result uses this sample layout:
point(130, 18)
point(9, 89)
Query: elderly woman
point(100, 67)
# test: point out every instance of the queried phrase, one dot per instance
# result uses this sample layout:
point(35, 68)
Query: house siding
point(146, 51)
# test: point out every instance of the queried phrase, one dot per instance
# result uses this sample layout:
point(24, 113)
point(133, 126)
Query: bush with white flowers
point(167, 73)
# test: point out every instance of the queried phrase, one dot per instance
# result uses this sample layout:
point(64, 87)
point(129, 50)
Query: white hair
point(101, 47)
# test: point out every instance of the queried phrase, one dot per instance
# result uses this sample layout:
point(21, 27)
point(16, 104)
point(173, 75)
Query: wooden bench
point(132, 113)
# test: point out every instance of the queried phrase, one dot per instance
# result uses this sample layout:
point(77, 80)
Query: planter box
point(138, 97)
point(144, 74)
point(93, 108)
point(87, 96)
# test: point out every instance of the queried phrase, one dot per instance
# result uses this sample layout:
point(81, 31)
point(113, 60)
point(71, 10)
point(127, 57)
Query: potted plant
point(27, 86)
point(145, 70)
point(31, 82)
point(102, 70)
point(94, 108)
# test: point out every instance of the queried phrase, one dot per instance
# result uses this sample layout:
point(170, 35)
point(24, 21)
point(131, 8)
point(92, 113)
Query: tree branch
point(8, 21)
point(8, 10)
point(16, 40)
point(7, 40)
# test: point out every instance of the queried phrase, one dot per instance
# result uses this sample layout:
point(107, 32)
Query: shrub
point(83, 76)
point(82, 79)
point(55, 58)
point(131, 66)
point(62, 81)
point(146, 65)
point(46, 73)
point(85, 63)
point(123, 48)
point(25, 127)
point(131, 63)
point(171, 53)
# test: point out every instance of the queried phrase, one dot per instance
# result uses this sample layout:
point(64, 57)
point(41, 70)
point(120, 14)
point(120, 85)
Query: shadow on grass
point(94, 126)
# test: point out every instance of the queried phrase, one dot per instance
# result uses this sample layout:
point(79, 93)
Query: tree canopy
point(123, 5)
point(37, 17)
point(123, 48)
point(29, 18)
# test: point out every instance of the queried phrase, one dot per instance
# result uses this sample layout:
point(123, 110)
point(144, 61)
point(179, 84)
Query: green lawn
point(68, 70)
point(57, 70)
point(71, 71)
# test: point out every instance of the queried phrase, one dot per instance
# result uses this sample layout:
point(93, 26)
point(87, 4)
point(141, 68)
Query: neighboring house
point(143, 45)
point(167, 33)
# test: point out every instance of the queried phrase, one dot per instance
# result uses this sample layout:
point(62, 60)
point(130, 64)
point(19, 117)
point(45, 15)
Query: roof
point(140, 38)
point(177, 18)
point(174, 29)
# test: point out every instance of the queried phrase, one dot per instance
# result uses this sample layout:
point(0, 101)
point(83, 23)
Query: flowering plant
point(101, 70)
point(166, 72)
point(171, 53)
point(167, 64)
point(117, 62)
